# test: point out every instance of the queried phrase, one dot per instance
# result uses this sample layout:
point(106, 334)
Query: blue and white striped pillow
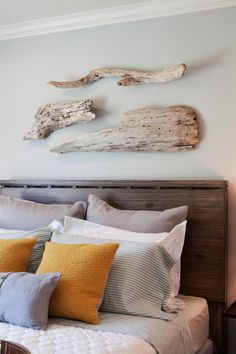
point(42, 235)
point(139, 279)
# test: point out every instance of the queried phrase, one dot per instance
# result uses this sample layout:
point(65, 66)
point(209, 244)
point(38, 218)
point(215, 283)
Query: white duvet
point(70, 340)
point(185, 334)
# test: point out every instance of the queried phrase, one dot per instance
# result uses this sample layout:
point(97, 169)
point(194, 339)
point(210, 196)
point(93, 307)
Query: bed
point(203, 274)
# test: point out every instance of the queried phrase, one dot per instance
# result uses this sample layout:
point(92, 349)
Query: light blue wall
point(205, 41)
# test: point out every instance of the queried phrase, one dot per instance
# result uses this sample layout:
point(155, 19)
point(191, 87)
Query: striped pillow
point(139, 282)
point(42, 235)
point(172, 241)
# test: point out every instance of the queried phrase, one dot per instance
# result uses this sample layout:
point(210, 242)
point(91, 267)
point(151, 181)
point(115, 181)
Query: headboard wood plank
point(204, 259)
point(204, 256)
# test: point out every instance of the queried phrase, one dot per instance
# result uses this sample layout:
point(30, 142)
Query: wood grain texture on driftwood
point(171, 129)
point(56, 116)
point(129, 77)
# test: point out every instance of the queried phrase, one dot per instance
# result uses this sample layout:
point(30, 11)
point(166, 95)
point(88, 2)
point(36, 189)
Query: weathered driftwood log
point(171, 129)
point(59, 115)
point(130, 77)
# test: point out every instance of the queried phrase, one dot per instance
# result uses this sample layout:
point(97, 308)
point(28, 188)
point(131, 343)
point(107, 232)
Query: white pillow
point(8, 232)
point(172, 241)
point(5, 233)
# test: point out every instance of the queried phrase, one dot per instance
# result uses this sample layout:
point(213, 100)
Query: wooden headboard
point(204, 260)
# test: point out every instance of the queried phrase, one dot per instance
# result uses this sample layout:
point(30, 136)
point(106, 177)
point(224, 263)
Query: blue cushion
point(24, 298)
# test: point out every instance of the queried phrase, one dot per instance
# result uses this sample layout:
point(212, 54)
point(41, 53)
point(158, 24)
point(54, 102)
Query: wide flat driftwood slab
point(171, 129)
point(129, 77)
point(56, 116)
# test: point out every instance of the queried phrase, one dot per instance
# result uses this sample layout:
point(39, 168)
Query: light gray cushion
point(24, 298)
point(148, 221)
point(27, 215)
point(42, 235)
point(139, 282)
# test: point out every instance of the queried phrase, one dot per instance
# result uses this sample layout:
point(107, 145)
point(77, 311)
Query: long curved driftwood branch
point(129, 77)
point(170, 129)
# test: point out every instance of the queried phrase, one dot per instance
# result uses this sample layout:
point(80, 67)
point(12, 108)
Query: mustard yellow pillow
point(84, 271)
point(15, 254)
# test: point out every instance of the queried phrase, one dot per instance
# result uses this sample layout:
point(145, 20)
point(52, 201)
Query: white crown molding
point(108, 16)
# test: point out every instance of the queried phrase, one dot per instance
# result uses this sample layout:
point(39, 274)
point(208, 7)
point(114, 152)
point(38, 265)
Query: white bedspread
point(70, 340)
point(118, 334)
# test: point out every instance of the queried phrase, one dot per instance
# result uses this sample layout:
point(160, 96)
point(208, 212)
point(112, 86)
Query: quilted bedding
point(116, 334)
point(70, 340)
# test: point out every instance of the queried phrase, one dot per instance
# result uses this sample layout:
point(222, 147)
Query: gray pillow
point(148, 221)
point(24, 298)
point(42, 235)
point(138, 283)
point(27, 215)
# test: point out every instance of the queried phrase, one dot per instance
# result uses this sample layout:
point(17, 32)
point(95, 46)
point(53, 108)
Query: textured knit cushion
point(27, 215)
point(15, 254)
point(150, 221)
point(24, 298)
point(42, 235)
point(84, 271)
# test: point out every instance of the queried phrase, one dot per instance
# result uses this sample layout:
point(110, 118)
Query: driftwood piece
point(129, 77)
point(52, 117)
point(171, 129)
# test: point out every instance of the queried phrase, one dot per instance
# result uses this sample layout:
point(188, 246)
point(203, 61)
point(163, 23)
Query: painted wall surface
point(205, 41)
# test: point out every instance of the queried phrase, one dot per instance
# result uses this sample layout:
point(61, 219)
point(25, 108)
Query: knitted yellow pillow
point(15, 254)
point(84, 271)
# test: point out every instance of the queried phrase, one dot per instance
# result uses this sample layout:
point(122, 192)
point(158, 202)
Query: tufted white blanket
point(70, 340)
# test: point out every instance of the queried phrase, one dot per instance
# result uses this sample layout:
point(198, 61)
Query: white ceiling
point(13, 11)
point(23, 18)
